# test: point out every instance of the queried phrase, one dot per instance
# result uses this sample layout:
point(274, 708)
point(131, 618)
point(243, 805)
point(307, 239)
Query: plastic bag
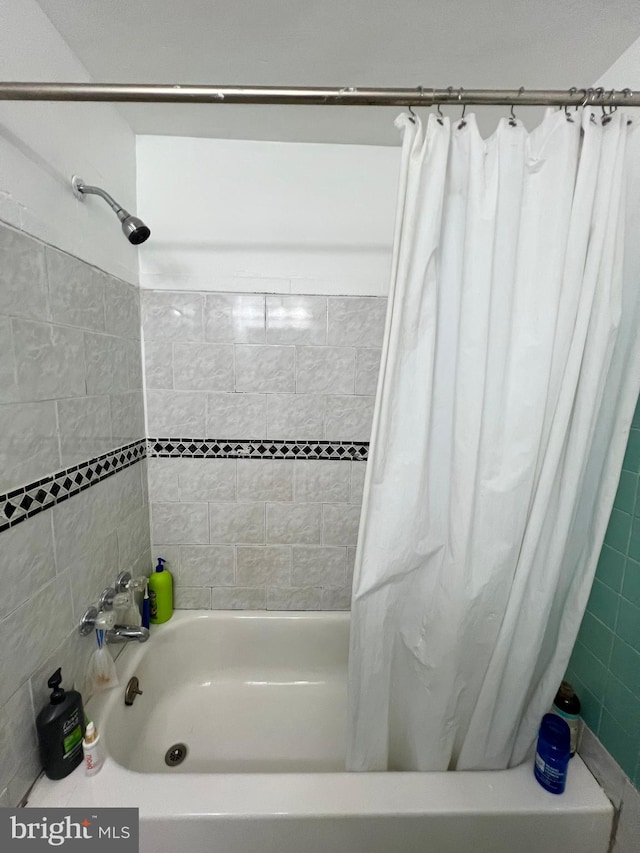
point(101, 670)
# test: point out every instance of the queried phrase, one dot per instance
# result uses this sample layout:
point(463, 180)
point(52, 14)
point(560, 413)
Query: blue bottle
point(552, 753)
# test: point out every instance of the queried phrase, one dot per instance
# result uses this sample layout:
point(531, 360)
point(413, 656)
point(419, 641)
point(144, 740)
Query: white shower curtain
point(509, 376)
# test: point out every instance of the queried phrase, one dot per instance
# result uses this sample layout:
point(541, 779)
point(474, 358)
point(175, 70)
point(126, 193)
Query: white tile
point(336, 598)
point(107, 363)
point(319, 566)
point(176, 414)
point(72, 656)
point(289, 524)
point(241, 523)
point(85, 429)
point(180, 523)
point(168, 316)
point(163, 479)
point(206, 565)
point(304, 598)
point(265, 369)
point(348, 418)
point(127, 417)
point(134, 538)
point(367, 369)
point(158, 364)
point(340, 524)
point(325, 370)
point(257, 565)
point(126, 494)
point(265, 479)
point(93, 572)
point(79, 521)
point(236, 416)
point(170, 554)
point(49, 361)
point(238, 598)
point(296, 320)
point(18, 744)
point(321, 480)
point(8, 381)
point(134, 365)
point(23, 282)
point(207, 479)
point(29, 633)
point(27, 561)
point(191, 598)
point(203, 367)
point(608, 773)
point(351, 560)
point(29, 447)
point(122, 308)
point(234, 318)
point(295, 416)
point(76, 291)
point(356, 321)
point(358, 471)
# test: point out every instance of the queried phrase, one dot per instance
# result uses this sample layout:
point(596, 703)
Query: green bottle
point(161, 594)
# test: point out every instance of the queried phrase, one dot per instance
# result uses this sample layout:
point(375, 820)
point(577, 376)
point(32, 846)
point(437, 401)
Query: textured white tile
point(163, 479)
point(340, 524)
point(134, 538)
point(336, 598)
point(351, 560)
point(265, 479)
point(321, 480)
point(170, 554)
point(325, 370)
point(206, 565)
point(191, 598)
point(236, 416)
point(356, 321)
point(319, 566)
point(238, 598)
point(180, 523)
point(241, 523)
point(263, 564)
point(367, 369)
point(304, 598)
point(158, 364)
point(234, 318)
point(296, 320)
point(297, 416)
point(176, 414)
point(126, 493)
point(49, 361)
point(358, 471)
point(29, 447)
point(348, 418)
point(18, 744)
point(29, 633)
point(8, 386)
point(122, 308)
point(265, 369)
point(168, 316)
point(203, 367)
point(85, 429)
point(127, 417)
point(23, 282)
point(82, 519)
point(76, 291)
point(94, 571)
point(72, 656)
point(289, 524)
point(207, 479)
point(107, 364)
point(27, 560)
point(134, 365)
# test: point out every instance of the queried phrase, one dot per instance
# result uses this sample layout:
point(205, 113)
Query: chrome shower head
point(133, 228)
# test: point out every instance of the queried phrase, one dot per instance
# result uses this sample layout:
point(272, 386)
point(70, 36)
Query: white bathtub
point(259, 699)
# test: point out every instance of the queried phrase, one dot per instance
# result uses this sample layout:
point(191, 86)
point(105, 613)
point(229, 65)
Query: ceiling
point(388, 43)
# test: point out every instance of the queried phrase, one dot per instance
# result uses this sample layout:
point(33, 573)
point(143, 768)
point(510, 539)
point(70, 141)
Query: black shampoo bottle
point(60, 726)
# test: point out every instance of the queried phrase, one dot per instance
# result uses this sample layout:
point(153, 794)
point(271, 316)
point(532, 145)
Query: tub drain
point(175, 755)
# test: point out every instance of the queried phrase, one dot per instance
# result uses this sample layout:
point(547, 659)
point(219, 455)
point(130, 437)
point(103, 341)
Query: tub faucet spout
point(127, 634)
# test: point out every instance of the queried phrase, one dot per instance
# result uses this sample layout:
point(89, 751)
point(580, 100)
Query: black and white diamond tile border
point(223, 448)
point(23, 503)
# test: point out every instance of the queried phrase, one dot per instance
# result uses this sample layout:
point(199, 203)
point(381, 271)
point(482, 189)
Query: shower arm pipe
point(300, 95)
point(86, 189)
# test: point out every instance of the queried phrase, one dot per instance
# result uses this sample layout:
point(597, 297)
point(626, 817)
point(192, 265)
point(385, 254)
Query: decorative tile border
point(27, 501)
point(222, 448)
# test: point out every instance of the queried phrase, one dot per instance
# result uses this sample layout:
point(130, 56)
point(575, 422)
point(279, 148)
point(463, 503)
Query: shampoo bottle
point(60, 726)
point(161, 594)
point(92, 749)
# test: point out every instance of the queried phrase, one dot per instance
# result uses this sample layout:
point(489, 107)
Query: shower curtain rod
point(345, 96)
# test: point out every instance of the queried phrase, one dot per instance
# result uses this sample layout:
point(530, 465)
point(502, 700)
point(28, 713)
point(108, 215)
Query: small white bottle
point(92, 748)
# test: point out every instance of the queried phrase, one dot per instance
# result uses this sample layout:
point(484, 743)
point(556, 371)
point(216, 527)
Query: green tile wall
point(605, 665)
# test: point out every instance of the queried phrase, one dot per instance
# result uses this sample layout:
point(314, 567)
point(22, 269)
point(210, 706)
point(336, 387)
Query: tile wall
point(259, 532)
point(70, 390)
point(605, 665)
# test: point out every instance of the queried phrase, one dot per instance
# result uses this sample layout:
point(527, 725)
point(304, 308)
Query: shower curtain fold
point(509, 376)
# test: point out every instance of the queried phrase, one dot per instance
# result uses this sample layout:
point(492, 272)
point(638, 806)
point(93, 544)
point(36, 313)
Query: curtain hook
point(572, 91)
point(627, 93)
point(412, 117)
point(513, 122)
point(439, 116)
point(462, 123)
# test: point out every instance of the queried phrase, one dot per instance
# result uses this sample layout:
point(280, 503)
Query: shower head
point(133, 228)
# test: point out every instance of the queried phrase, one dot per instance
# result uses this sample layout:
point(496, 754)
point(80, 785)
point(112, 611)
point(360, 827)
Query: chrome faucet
point(127, 634)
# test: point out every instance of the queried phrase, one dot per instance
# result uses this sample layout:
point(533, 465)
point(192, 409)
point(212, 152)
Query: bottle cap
point(54, 683)
point(566, 691)
point(91, 733)
point(160, 566)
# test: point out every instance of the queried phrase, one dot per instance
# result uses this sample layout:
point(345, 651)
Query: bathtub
point(259, 701)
